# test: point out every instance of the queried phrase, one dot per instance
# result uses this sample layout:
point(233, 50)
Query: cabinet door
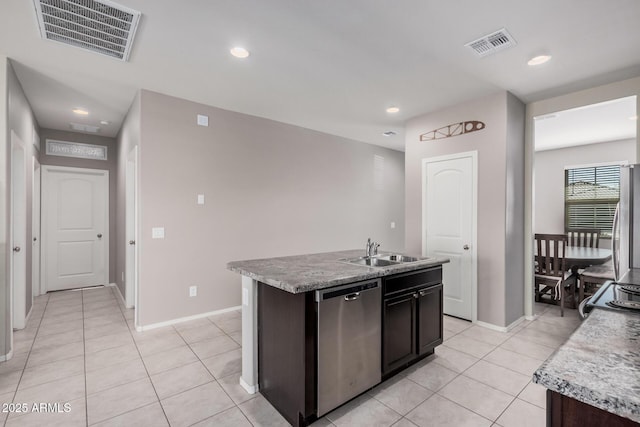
point(399, 332)
point(429, 318)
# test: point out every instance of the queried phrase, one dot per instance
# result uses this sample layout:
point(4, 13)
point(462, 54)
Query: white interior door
point(449, 227)
point(131, 208)
point(18, 273)
point(75, 207)
point(35, 230)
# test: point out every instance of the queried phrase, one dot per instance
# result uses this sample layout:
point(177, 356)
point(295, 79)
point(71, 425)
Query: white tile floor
point(80, 348)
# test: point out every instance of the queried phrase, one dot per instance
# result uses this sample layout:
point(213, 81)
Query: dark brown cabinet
point(288, 338)
point(563, 411)
point(411, 318)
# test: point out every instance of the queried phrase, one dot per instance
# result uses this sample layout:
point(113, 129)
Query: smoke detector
point(100, 26)
point(492, 43)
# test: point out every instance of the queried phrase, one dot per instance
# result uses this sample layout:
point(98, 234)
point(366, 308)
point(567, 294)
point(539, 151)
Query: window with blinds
point(591, 195)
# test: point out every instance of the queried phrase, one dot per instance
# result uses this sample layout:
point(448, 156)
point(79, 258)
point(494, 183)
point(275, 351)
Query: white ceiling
point(602, 122)
point(330, 65)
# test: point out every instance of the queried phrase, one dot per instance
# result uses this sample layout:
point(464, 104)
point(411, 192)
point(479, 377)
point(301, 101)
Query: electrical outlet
point(193, 291)
point(393, 224)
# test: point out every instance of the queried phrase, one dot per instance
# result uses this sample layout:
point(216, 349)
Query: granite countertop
point(303, 273)
point(599, 364)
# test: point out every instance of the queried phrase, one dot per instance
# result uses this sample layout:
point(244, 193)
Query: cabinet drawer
point(400, 283)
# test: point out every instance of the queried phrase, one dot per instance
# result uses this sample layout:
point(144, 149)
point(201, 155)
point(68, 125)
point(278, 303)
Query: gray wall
point(109, 165)
point(271, 189)
point(549, 170)
point(16, 116)
point(514, 228)
point(128, 138)
point(23, 123)
point(497, 188)
point(5, 335)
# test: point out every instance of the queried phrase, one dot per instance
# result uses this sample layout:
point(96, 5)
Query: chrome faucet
point(371, 248)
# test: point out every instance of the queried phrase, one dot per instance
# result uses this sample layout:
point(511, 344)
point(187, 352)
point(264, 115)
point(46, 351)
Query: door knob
point(16, 249)
point(99, 235)
point(465, 247)
point(35, 239)
point(132, 242)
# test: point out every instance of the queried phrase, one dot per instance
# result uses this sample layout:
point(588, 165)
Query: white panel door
point(75, 209)
point(131, 225)
point(449, 228)
point(18, 273)
point(35, 230)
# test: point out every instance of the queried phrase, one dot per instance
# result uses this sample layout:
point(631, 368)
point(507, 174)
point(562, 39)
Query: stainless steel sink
point(371, 261)
point(398, 258)
point(382, 260)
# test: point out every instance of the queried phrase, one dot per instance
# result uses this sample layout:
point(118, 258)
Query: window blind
point(591, 195)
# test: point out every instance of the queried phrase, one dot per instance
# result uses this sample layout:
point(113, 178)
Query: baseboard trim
point(6, 357)
point(251, 389)
point(119, 294)
point(507, 328)
point(28, 316)
point(185, 319)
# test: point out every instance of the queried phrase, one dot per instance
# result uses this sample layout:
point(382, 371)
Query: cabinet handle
point(423, 293)
point(416, 295)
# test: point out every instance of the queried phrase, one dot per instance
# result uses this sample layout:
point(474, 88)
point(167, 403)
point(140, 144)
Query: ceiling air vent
point(492, 43)
point(100, 26)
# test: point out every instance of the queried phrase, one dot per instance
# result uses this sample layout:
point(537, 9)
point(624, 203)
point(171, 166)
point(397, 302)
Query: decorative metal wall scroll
point(454, 129)
point(76, 149)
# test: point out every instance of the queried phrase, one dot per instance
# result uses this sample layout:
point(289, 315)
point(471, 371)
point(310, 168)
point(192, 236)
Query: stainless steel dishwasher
point(349, 342)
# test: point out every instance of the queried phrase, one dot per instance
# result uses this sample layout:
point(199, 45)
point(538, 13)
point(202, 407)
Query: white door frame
point(44, 218)
point(474, 221)
point(18, 221)
point(131, 230)
point(35, 230)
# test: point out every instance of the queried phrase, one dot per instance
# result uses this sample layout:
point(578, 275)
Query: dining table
point(580, 257)
point(577, 257)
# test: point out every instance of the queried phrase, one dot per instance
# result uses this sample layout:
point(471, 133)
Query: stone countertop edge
point(599, 364)
point(304, 273)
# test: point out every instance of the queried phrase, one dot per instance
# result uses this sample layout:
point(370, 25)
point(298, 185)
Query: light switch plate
point(393, 224)
point(203, 120)
point(201, 199)
point(157, 233)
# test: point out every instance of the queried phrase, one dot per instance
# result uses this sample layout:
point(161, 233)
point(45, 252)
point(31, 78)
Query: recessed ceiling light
point(539, 60)
point(104, 122)
point(389, 133)
point(80, 111)
point(392, 110)
point(239, 52)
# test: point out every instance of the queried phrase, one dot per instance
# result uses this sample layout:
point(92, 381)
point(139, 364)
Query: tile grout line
point(24, 368)
point(214, 377)
point(84, 355)
point(143, 364)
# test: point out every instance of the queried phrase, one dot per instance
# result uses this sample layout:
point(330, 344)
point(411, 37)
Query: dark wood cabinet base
point(563, 411)
point(411, 320)
point(389, 374)
point(287, 352)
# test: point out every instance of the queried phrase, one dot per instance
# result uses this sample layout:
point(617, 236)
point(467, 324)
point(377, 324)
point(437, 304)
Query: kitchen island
point(287, 349)
point(594, 378)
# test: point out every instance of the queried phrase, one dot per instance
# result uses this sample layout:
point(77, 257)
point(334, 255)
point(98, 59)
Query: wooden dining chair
point(591, 278)
point(551, 276)
point(586, 237)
